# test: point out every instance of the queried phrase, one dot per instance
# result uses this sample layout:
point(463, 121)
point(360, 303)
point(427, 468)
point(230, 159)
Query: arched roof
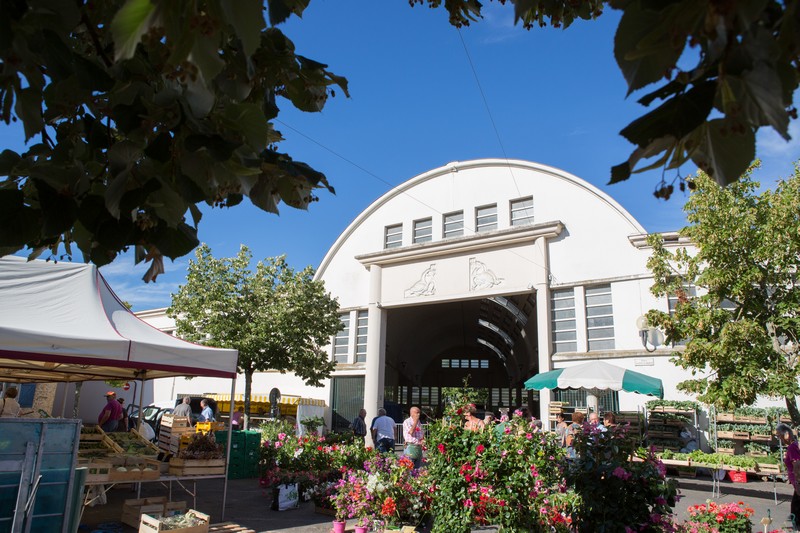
point(613, 205)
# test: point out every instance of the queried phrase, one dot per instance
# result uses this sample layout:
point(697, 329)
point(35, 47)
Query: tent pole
point(64, 402)
point(141, 401)
point(228, 448)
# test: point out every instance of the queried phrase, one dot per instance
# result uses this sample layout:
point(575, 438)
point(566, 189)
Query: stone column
point(376, 350)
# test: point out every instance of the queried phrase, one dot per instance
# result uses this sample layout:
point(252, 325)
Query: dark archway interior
point(492, 340)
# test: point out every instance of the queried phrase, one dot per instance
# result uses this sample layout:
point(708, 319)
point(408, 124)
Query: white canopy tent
point(61, 322)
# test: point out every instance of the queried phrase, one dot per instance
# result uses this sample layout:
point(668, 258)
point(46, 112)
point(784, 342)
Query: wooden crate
point(92, 433)
point(769, 468)
point(174, 442)
point(132, 510)
point(171, 421)
point(135, 468)
point(725, 417)
point(196, 467)
point(150, 524)
point(97, 470)
point(742, 435)
point(760, 438)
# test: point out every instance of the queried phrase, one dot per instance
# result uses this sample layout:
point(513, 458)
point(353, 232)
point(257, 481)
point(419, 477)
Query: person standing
point(472, 422)
point(111, 414)
point(237, 421)
point(561, 429)
point(184, 409)
point(383, 432)
point(123, 422)
point(594, 420)
point(413, 437)
point(206, 414)
point(359, 424)
point(10, 407)
point(790, 459)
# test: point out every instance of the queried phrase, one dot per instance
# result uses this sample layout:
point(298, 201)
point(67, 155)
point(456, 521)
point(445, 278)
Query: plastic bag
point(285, 497)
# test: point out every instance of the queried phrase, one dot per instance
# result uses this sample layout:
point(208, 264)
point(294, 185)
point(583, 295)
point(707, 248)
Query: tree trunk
point(77, 400)
point(248, 382)
point(794, 412)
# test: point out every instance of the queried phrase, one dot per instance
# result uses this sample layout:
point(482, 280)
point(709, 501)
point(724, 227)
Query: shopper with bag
point(413, 437)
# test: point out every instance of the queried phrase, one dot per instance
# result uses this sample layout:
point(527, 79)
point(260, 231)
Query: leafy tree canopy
point(135, 111)
point(742, 326)
point(277, 318)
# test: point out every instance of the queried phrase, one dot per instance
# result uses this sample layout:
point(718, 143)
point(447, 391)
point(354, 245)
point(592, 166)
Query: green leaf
point(205, 54)
point(8, 160)
point(247, 19)
point(28, 108)
point(250, 121)
point(676, 117)
point(129, 24)
point(18, 222)
point(723, 152)
point(59, 211)
point(176, 242)
point(280, 10)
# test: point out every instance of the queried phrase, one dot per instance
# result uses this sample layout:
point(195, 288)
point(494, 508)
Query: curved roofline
point(464, 165)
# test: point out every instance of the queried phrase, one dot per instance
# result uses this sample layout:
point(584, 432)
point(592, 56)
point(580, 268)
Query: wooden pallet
point(229, 527)
point(196, 467)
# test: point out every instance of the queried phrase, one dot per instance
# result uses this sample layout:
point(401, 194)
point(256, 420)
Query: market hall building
point(493, 269)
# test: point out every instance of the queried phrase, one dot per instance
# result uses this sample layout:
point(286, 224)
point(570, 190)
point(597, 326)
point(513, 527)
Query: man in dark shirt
point(359, 424)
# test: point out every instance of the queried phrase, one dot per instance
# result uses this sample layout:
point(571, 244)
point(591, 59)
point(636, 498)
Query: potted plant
point(722, 517)
point(352, 498)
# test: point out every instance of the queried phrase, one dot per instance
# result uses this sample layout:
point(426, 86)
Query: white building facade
point(492, 269)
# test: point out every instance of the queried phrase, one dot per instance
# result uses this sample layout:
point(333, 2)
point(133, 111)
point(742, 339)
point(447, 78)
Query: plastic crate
point(737, 476)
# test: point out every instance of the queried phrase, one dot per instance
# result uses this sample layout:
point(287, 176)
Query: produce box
point(97, 470)
point(92, 433)
point(132, 510)
point(196, 467)
point(151, 524)
point(132, 443)
point(172, 429)
point(205, 427)
point(725, 417)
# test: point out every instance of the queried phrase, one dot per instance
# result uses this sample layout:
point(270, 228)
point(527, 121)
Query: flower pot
point(361, 529)
point(339, 526)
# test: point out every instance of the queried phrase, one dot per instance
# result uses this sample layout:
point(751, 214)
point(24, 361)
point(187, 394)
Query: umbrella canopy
point(597, 375)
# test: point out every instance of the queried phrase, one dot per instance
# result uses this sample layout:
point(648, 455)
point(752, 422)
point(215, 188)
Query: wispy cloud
point(125, 280)
point(498, 24)
point(770, 144)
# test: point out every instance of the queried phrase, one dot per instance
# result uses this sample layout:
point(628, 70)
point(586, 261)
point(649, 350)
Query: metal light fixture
point(650, 336)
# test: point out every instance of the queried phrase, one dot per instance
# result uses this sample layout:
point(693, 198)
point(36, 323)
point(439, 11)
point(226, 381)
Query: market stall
point(61, 322)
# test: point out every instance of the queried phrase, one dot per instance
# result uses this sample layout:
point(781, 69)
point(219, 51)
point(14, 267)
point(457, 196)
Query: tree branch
point(93, 34)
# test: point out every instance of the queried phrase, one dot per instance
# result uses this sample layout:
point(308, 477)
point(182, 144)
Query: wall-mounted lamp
point(651, 336)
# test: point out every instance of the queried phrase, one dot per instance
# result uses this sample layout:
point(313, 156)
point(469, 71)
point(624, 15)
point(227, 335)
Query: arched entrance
point(490, 341)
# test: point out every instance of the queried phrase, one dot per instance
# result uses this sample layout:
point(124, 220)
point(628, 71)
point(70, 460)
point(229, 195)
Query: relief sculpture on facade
point(481, 277)
point(425, 286)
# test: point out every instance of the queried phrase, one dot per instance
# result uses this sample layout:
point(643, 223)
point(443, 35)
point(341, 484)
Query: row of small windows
point(521, 213)
point(465, 363)
point(599, 319)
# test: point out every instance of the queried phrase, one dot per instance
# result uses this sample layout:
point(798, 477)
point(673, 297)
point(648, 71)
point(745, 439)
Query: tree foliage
point(277, 318)
point(136, 111)
point(725, 69)
point(742, 327)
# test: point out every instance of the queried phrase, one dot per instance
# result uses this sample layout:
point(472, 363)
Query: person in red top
point(111, 414)
point(791, 455)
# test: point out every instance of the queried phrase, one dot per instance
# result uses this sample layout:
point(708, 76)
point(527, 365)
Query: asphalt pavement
point(248, 505)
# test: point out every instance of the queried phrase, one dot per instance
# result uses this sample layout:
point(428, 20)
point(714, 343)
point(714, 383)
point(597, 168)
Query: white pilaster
point(543, 326)
point(376, 349)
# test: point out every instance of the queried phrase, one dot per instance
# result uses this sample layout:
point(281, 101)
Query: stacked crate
point(245, 453)
point(172, 429)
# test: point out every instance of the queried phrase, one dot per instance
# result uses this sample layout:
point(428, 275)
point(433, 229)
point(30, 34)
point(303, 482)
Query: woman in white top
point(9, 407)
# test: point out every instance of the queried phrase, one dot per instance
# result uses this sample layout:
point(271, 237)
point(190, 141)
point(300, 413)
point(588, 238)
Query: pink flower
point(528, 436)
point(621, 473)
point(519, 452)
point(468, 503)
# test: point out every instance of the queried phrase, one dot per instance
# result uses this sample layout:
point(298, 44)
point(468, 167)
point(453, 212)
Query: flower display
point(719, 518)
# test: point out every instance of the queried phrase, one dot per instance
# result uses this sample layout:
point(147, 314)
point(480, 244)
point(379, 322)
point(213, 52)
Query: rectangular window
point(562, 317)
point(394, 236)
point(347, 397)
point(361, 337)
point(486, 218)
point(423, 230)
point(341, 343)
point(522, 211)
point(453, 225)
point(599, 318)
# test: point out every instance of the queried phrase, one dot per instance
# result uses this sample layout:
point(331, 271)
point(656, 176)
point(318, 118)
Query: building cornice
point(671, 238)
point(466, 244)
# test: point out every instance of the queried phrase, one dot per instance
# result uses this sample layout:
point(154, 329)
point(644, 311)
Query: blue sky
point(555, 97)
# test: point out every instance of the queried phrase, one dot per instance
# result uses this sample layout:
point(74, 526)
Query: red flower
point(388, 508)
point(479, 448)
point(441, 448)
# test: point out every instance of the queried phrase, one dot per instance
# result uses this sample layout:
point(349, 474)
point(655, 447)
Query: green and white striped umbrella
point(597, 375)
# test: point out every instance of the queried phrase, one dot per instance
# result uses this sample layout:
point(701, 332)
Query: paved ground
point(249, 505)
